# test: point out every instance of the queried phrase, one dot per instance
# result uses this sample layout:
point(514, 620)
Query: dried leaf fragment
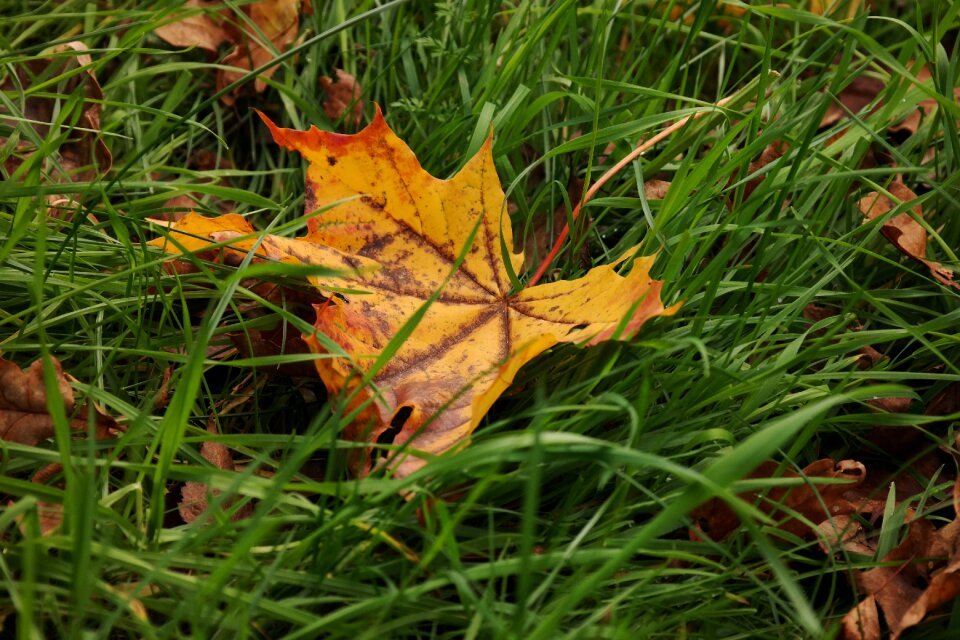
point(903, 231)
point(81, 154)
point(343, 95)
point(275, 27)
point(399, 243)
point(24, 417)
point(815, 503)
point(203, 28)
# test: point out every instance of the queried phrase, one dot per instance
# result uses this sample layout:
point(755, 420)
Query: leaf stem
point(595, 187)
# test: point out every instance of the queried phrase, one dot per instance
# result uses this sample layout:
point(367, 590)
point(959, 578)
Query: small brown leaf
point(277, 23)
point(202, 29)
point(23, 405)
point(193, 495)
point(82, 154)
point(903, 231)
point(815, 503)
point(343, 95)
point(863, 621)
point(656, 189)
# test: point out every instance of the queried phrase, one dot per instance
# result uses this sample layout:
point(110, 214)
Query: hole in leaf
point(396, 424)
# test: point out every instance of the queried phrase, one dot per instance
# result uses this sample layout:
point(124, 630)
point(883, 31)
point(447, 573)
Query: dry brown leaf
point(343, 95)
point(917, 579)
point(24, 417)
point(863, 621)
point(864, 89)
point(815, 503)
point(903, 231)
point(82, 154)
point(203, 28)
point(868, 355)
point(843, 534)
point(277, 23)
point(193, 495)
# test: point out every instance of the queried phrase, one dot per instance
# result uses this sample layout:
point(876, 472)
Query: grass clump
point(572, 505)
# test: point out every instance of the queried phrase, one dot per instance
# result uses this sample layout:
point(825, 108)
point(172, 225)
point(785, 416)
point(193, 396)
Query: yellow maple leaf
point(398, 241)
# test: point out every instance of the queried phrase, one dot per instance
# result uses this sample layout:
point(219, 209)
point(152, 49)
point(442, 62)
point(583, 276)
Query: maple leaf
point(396, 239)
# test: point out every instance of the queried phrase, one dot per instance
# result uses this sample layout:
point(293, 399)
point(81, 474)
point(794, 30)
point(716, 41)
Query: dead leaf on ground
point(81, 154)
point(24, 417)
point(921, 574)
point(343, 96)
point(193, 495)
point(399, 243)
point(868, 355)
point(209, 27)
point(903, 231)
point(815, 503)
point(864, 90)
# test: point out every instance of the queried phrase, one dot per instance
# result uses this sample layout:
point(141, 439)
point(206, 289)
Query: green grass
point(568, 515)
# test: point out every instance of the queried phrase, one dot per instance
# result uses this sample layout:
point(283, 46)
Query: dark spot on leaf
point(331, 160)
point(376, 203)
point(375, 245)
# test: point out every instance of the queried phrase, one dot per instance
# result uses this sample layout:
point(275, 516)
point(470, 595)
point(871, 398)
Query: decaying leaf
point(903, 231)
point(864, 90)
point(204, 25)
point(193, 495)
point(868, 355)
point(919, 575)
point(398, 240)
point(814, 503)
point(209, 27)
point(343, 95)
point(81, 153)
point(24, 417)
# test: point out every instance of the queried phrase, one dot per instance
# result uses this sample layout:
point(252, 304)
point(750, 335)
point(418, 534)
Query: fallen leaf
point(81, 154)
point(815, 503)
point(925, 108)
point(868, 355)
point(204, 27)
point(275, 27)
point(194, 495)
point(343, 95)
point(863, 621)
point(24, 417)
point(909, 583)
point(840, 535)
point(903, 231)
point(396, 240)
point(865, 89)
